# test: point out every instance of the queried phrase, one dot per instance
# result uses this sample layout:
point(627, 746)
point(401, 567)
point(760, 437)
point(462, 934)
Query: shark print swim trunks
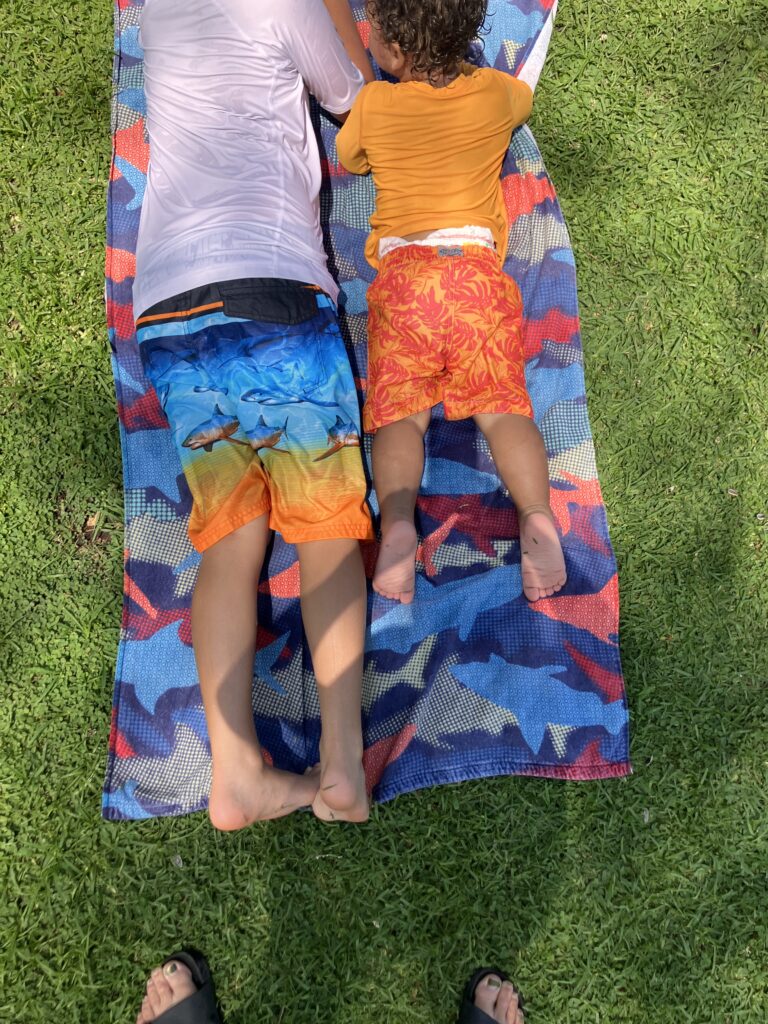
point(256, 385)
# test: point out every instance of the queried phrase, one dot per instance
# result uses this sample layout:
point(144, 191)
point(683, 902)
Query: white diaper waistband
point(470, 234)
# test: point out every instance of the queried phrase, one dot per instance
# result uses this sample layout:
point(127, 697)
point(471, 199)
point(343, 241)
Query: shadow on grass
point(396, 914)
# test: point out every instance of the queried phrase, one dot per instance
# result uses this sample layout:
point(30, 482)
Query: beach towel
point(468, 681)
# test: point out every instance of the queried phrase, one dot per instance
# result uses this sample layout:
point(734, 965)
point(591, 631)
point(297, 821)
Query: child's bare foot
point(395, 574)
point(543, 565)
point(248, 790)
point(342, 795)
point(499, 1000)
point(167, 986)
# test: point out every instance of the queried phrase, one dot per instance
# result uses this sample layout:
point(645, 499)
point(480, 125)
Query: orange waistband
point(178, 314)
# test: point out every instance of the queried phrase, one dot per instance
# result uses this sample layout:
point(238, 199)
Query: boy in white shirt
point(236, 321)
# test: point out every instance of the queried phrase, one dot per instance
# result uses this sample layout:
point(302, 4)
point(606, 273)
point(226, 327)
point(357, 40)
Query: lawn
point(642, 901)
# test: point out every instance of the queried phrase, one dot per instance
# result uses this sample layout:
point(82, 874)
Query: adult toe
point(506, 1004)
point(146, 1015)
point(162, 989)
point(178, 978)
point(487, 992)
point(166, 986)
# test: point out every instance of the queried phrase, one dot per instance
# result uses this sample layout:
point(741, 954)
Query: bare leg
point(398, 466)
point(243, 789)
point(521, 459)
point(333, 607)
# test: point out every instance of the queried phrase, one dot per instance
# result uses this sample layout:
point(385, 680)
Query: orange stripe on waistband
point(178, 313)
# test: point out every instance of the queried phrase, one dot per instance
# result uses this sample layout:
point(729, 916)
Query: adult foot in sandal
point(180, 992)
point(491, 998)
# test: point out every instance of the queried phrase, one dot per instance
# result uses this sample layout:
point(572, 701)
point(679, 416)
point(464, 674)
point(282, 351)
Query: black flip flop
point(471, 1014)
point(199, 1008)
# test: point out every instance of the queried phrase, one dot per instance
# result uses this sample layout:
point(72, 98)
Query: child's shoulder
point(505, 92)
point(376, 93)
point(493, 78)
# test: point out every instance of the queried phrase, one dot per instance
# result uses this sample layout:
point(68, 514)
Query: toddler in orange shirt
point(445, 322)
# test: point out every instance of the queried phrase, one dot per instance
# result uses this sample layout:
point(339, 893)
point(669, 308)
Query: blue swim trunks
point(256, 385)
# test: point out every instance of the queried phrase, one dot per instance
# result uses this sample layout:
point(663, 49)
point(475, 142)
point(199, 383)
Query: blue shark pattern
point(462, 603)
point(538, 699)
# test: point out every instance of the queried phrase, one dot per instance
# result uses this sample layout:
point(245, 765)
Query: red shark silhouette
point(611, 683)
point(597, 613)
point(590, 764)
point(118, 744)
point(428, 547)
point(581, 525)
point(143, 414)
point(120, 316)
point(120, 264)
point(284, 584)
point(584, 493)
point(130, 145)
point(137, 595)
point(142, 624)
point(139, 625)
point(468, 514)
point(524, 192)
point(384, 752)
point(364, 30)
point(482, 523)
point(555, 326)
point(590, 756)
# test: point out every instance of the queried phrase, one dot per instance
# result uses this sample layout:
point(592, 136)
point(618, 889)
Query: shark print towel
point(468, 681)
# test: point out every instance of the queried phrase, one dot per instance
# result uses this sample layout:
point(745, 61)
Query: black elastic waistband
point(273, 299)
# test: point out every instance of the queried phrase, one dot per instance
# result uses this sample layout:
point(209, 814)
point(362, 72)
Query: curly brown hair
point(434, 34)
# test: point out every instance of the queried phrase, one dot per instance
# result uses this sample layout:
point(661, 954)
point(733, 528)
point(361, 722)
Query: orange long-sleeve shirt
point(435, 154)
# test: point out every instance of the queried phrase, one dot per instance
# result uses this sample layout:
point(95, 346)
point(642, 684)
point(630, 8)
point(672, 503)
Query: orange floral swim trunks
point(444, 325)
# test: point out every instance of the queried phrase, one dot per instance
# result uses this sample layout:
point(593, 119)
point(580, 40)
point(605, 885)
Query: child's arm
point(520, 99)
point(342, 18)
point(349, 141)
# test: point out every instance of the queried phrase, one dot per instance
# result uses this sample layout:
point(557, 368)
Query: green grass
point(641, 901)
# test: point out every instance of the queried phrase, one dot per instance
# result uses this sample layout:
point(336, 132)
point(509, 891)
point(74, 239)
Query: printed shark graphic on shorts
point(265, 436)
point(273, 396)
point(340, 435)
point(219, 427)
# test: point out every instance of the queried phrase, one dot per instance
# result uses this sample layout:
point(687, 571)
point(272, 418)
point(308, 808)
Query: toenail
point(493, 982)
point(170, 968)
